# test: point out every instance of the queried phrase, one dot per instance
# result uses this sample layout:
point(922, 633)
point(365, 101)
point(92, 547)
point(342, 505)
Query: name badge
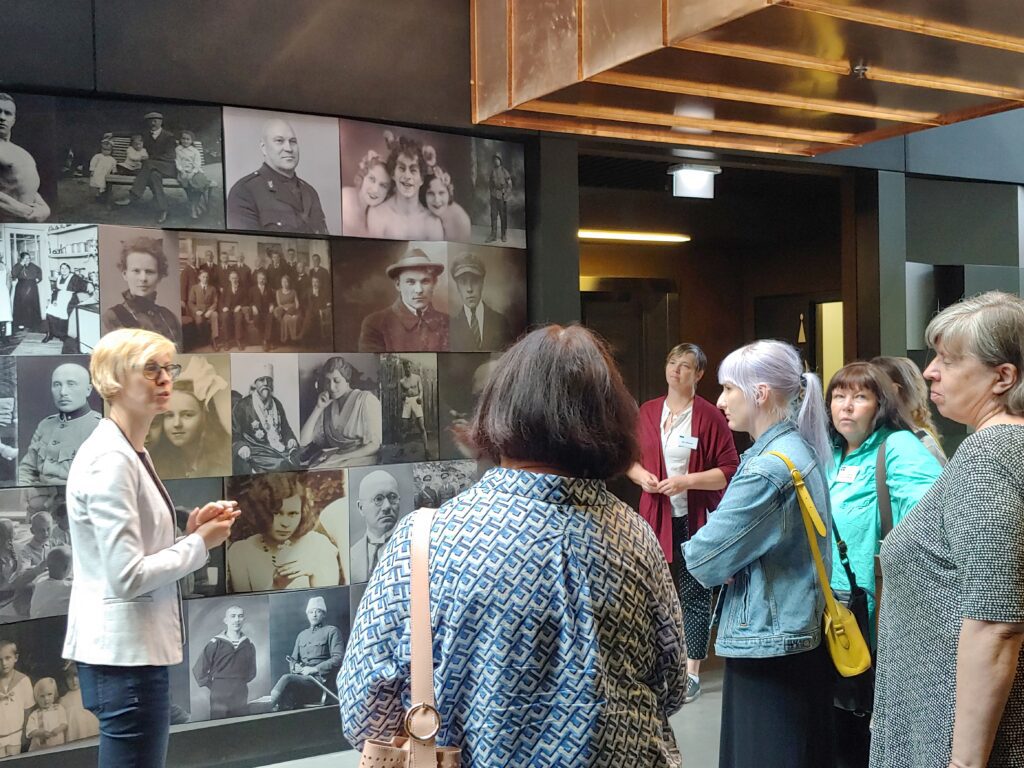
point(688, 441)
point(847, 474)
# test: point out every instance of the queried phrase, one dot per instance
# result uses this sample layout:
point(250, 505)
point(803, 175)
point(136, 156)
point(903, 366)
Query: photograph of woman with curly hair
point(372, 187)
point(133, 290)
point(438, 195)
point(340, 410)
point(195, 435)
point(279, 546)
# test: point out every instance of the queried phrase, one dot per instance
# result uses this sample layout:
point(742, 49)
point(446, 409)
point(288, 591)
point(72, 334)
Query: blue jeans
point(133, 706)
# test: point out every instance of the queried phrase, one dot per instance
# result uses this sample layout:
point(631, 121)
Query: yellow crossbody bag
point(846, 644)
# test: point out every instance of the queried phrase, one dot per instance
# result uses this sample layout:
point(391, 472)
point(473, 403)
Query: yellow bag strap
point(812, 522)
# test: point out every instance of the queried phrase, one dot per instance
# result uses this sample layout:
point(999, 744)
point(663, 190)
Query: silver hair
point(798, 394)
point(990, 328)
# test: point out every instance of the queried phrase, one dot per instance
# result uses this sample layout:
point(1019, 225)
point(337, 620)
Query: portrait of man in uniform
point(226, 667)
point(57, 438)
point(291, 190)
point(313, 662)
point(411, 323)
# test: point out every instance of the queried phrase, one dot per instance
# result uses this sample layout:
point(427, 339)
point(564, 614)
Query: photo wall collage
point(338, 292)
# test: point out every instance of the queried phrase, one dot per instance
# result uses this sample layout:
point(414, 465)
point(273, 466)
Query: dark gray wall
point(46, 45)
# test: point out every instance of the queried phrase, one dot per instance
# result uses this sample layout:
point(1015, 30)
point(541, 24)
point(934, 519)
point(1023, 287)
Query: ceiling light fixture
point(626, 236)
point(691, 180)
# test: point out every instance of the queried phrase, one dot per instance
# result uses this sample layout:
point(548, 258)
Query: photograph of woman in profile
point(196, 435)
point(124, 621)
point(344, 428)
point(143, 265)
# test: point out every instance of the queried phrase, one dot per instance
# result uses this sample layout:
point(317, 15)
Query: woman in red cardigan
point(687, 457)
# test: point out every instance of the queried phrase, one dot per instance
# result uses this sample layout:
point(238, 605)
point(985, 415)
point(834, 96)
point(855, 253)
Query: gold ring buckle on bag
point(427, 708)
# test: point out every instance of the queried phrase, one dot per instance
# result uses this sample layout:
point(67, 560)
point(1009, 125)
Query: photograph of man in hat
point(160, 146)
point(313, 663)
point(475, 326)
point(411, 324)
point(263, 440)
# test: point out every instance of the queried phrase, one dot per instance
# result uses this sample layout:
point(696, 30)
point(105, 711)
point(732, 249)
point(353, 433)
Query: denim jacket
point(774, 605)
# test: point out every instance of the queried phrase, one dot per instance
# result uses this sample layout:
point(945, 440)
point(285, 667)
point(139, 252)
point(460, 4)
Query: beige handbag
point(416, 748)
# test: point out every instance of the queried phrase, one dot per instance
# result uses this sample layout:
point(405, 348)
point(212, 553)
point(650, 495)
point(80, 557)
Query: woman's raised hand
point(211, 511)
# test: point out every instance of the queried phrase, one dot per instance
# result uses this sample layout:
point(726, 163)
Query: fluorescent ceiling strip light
point(625, 236)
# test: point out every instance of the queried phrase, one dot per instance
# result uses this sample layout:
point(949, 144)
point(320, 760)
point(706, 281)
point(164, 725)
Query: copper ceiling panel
point(790, 76)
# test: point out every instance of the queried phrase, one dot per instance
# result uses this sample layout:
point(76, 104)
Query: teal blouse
point(910, 471)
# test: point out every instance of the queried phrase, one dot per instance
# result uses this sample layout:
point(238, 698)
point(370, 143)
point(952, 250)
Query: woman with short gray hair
point(950, 689)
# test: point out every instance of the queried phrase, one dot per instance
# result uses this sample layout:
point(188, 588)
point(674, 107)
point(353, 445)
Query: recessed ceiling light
point(627, 236)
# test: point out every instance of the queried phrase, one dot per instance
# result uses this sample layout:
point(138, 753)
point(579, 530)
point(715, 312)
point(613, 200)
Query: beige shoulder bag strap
point(422, 721)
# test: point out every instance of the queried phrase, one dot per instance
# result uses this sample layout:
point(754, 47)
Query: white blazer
point(125, 609)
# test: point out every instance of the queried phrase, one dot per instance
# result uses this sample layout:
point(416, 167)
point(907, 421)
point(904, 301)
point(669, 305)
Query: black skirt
point(777, 712)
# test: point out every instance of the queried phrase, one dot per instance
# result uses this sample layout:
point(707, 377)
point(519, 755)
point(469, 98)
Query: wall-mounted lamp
point(626, 236)
point(692, 180)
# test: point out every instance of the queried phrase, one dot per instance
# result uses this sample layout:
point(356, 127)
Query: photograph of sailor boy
point(49, 289)
point(273, 294)
point(404, 183)
point(35, 554)
point(498, 207)
point(192, 438)
point(211, 579)
point(438, 482)
point(308, 634)
point(487, 297)
point(229, 655)
point(339, 410)
point(281, 543)
point(380, 497)
point(58, 409)
point(461, 378)
point(408, 386)
point(282, 172)
point(139, 281)
point(391, 297)
point(8, 422)
point(140, 163)
point(264, 413)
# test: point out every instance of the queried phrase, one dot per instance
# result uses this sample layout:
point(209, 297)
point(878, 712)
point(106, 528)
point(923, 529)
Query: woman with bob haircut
point(285, 552)
point(912, 390)
point(950, 685)
point(777, 690)
point(552, 607)
point(143, 264)
point(124, 621)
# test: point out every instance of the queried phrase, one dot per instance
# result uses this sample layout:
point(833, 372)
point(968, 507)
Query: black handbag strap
point(882, 491)
point(844, 558)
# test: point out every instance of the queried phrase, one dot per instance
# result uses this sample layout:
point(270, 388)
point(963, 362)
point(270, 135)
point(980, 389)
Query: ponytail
point(812, 419)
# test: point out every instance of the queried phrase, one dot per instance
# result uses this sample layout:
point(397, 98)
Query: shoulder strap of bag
point(812, 523)
point(882, 491)
point(422, 721)
point(844, 557)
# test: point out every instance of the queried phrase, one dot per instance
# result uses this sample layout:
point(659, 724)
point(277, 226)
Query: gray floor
point(696, 727)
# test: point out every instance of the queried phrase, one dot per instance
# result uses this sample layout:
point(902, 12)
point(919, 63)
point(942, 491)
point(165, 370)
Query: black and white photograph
point(29, 157)
point(380, 497)
point(42, 707)
point(35, 554)
point(264, 414)
point(279, 542)
point(391, 297)
point(211, 579)
point(229, 656)
point(193, 436)
point(405, 183)
point(49, 289)
point(57, 410)
point(140, 163)
point(339, 410)
point(257, 292)
point(282, 172)
point(487, 297)
point(461, 378)
point(308, 633)
point(355, 596)
point(498, 208)
point(179, 681)
point(8, 422)
point(139, 281)
point(440, 481)
point(408, 387)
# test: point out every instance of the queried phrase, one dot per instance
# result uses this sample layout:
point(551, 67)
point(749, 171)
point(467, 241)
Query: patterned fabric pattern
point(558, 637)
point(959, 554)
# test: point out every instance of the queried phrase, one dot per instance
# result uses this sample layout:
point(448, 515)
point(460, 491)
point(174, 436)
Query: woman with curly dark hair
point(284, 552)
point(143, 265)
point(402, 216)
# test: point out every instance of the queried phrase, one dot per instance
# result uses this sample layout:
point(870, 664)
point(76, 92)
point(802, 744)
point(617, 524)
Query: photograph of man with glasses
point(381, 504)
